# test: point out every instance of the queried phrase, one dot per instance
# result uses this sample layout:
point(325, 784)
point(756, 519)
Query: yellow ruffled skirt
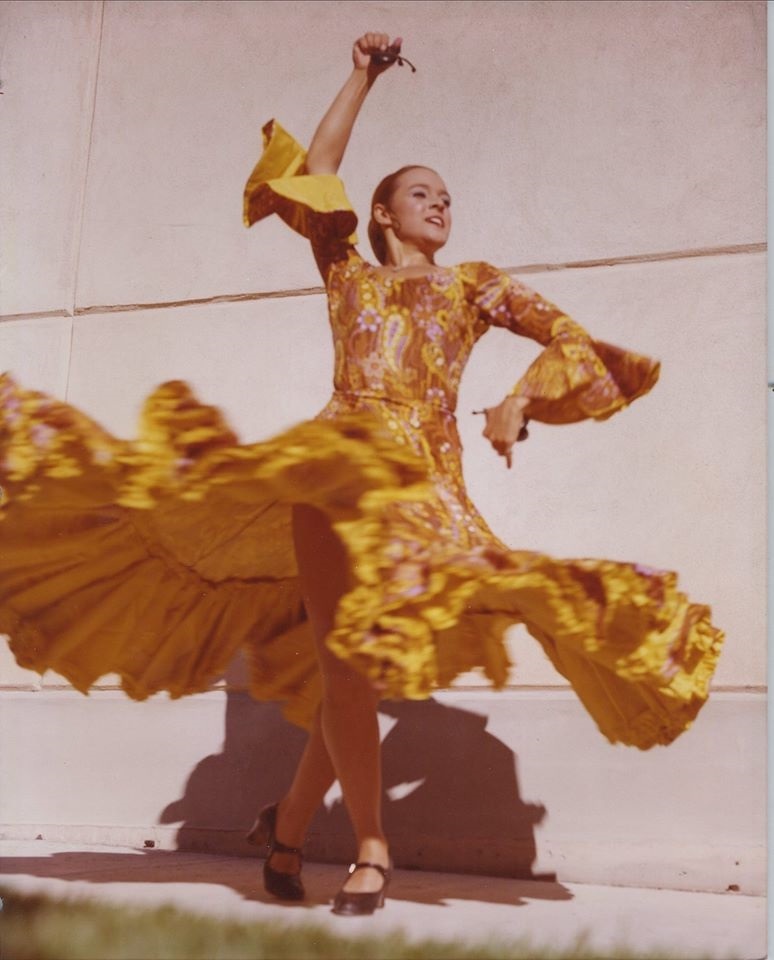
point(158, 559)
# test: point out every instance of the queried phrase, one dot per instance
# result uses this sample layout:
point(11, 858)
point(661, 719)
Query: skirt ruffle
point(158, 559)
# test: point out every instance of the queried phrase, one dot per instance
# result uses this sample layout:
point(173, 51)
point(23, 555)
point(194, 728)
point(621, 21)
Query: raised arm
point(332, 135)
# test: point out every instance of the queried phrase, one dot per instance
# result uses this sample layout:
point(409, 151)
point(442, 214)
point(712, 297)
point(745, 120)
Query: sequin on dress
point(159, 558)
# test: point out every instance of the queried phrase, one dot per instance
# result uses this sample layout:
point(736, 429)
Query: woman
point(411, 220)
point(344, 555)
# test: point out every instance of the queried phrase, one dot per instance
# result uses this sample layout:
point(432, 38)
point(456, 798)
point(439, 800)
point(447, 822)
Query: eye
point(447, 202)
point(418, 193)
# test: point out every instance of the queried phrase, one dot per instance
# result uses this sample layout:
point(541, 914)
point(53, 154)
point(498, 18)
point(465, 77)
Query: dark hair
point(383, 194)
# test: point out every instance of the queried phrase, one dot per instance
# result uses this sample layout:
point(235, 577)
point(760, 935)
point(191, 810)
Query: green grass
point(40, 928)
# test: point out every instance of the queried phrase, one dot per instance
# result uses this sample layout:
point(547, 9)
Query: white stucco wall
point(610, 154)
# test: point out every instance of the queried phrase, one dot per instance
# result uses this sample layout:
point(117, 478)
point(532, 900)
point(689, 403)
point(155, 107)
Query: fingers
point(505, 451)
point(375, 42)
point(522, 435)
point(378, 41)
point(501, 435)
point(502, 449)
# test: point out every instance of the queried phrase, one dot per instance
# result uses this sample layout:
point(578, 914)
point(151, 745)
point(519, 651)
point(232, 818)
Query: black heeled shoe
point(284, 886)
point(348, 904)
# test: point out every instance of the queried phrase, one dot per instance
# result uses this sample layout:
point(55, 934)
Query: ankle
point(374, 850)
point(289, 830)
point(366, 881)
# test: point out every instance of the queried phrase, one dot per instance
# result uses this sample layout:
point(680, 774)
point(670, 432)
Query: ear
point(381, 215)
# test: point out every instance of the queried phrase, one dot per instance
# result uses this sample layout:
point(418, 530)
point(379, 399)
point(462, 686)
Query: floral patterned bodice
point(408, 339)
point(402, 343)
point(405, 339)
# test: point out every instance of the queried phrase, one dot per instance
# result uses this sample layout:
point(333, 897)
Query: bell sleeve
point(316, 206)
point(574, 377)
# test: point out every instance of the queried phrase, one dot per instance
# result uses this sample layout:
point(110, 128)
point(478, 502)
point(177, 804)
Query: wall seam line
point(42, 315)
point(698, 253)
point(84, 191)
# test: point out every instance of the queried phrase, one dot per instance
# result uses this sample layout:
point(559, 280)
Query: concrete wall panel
point(267, 363)
point(50, 53)
point(12, 675)
point(36, 352)
point(542, 791)
point(62, 719)
point(565, 131)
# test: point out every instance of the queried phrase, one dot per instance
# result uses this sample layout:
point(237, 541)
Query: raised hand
point(367, 48)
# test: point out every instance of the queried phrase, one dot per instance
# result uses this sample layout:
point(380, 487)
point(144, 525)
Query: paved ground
point(700, 926)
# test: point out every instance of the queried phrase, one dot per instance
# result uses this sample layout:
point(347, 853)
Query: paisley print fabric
point(158, 558)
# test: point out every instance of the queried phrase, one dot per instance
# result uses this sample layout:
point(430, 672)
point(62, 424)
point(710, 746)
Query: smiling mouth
point(436, 220)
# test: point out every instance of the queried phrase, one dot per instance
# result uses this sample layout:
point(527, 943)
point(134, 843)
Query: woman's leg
point(313, 778)
point(346, 739)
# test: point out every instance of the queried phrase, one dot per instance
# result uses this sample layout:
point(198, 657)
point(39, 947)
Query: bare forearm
point(332, 135)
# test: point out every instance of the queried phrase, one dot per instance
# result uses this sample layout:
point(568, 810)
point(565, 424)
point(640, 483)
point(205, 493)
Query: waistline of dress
point(395, 402)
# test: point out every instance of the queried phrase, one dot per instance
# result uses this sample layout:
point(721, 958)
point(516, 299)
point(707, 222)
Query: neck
point(401, 255)
point(401, 259)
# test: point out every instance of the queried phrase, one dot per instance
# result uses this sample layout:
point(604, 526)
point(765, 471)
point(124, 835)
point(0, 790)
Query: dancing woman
point(403, 331)
point(344, 555)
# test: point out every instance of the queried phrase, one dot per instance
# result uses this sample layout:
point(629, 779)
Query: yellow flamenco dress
point(160, 557)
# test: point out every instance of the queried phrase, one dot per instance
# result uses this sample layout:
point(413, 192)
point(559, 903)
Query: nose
point(438, 204)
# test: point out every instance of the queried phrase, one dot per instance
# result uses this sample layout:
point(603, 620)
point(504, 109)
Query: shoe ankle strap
point(277, 846)
point(361, 865)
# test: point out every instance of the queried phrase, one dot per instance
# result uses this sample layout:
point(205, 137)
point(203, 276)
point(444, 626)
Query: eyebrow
point(427, 187)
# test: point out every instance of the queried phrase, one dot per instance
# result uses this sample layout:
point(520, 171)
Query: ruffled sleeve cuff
point(316, 206)
point(576, 378)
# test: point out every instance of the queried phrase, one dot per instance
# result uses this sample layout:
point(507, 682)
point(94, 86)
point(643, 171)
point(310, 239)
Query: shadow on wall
point(451, 795)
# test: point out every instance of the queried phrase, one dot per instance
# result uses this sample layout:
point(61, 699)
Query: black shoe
point(361, 904)
point(284, 886)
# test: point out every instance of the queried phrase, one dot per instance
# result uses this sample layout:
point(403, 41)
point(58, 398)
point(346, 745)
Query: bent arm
point(574, 377)
point(332, 135)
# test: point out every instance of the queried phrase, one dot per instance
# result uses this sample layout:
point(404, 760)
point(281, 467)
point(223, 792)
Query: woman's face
point(419, 210)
